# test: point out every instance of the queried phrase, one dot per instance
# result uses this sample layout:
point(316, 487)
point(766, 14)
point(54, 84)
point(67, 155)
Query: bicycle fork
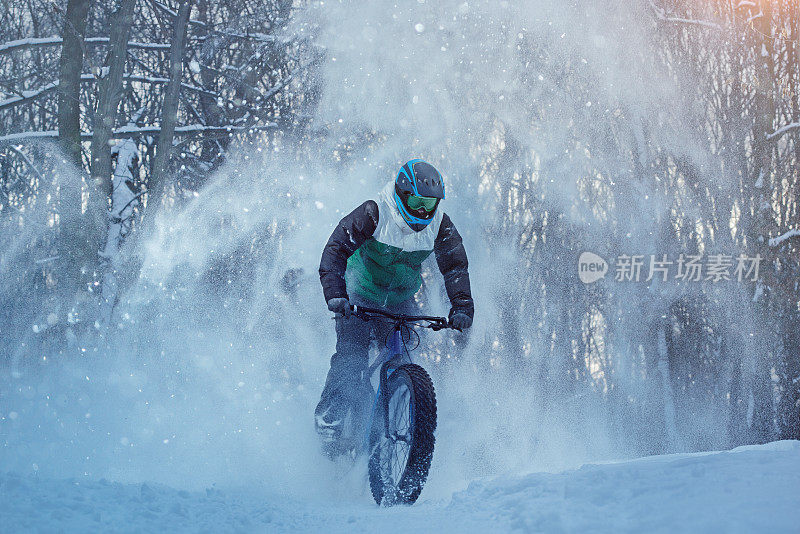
point(393, 350)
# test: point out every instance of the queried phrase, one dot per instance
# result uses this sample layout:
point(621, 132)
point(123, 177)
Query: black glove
point(340, 305)
point(460, 321)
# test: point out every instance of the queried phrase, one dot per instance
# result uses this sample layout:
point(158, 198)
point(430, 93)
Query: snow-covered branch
point(255, 36)
point(30, 42)
point(27, 161)
point(775, 241)
point(148, 46)
point(35, 42)
point(136, 131)
point(133, 131)
point(28, 96)
point(276, 88)
point(751, 18)
point(28, 136)
point(782, 130)
point(662, 15)
point(160, 80)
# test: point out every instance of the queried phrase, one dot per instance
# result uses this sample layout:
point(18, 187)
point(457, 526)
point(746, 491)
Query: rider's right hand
point(340, 305)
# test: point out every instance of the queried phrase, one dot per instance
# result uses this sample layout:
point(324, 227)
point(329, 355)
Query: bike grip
point(450, 326)
point(352, 310)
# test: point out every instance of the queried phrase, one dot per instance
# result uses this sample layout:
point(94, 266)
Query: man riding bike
point(376, 253)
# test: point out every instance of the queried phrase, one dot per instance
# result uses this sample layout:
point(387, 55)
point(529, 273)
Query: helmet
point(418, 189)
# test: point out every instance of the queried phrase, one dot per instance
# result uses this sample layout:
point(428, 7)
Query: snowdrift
point(748, 489)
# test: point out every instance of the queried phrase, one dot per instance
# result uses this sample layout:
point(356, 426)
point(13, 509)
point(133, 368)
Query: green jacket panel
point(385, 274)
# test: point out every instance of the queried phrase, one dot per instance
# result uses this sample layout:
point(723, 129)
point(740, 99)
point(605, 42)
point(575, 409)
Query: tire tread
point(421, 454)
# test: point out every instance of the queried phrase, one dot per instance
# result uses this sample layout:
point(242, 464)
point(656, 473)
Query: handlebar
point(434, 323)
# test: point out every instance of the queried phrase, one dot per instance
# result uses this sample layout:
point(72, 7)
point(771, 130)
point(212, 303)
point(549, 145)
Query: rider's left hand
point(460, 321)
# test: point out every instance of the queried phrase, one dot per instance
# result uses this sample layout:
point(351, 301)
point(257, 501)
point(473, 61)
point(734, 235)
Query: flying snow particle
point(369, 33)
point(419, 27)
point(319, 205)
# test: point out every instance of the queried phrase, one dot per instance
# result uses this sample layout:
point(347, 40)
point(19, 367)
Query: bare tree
point(110, 94)
point(243, 85)
point(157, 184)
point(69, 79)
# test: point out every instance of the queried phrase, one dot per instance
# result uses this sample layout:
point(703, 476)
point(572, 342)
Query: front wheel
point(401, 451)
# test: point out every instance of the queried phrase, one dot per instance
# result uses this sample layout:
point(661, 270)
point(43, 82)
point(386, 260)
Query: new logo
point(591, 267)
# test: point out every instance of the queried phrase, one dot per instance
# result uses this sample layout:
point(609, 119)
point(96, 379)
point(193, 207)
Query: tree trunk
point(674, 440)
point(764, 123)
point(124, 201)
point(102, 186)
point(157, 185)
point(763, 220)
point(69, 79)
point(794, 77)
point(213, 114)
point(110, 93)
point(79, 235)
point(789, 412)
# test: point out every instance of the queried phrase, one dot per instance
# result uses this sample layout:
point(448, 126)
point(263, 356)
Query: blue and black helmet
point(418, 189)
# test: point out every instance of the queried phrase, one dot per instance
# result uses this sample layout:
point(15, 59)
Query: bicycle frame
point(396, 442)
point(387, 359)
point(388, 356)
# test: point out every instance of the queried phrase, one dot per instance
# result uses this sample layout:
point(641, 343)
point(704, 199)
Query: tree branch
point(775, 241)
point(138, 131)
point(35, 42)
point(26, 97)
point(662, 15)
point(782, 130)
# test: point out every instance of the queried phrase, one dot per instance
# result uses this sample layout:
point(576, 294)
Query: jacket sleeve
point(351, 232)
point(452, 260)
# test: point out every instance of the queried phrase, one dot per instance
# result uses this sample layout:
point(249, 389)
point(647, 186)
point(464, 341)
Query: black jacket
point(359, 225)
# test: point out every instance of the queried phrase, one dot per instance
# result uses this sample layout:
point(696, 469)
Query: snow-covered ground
point(748, 489)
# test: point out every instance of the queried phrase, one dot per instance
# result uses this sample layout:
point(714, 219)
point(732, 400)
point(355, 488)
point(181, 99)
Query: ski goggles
point(427, 204)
